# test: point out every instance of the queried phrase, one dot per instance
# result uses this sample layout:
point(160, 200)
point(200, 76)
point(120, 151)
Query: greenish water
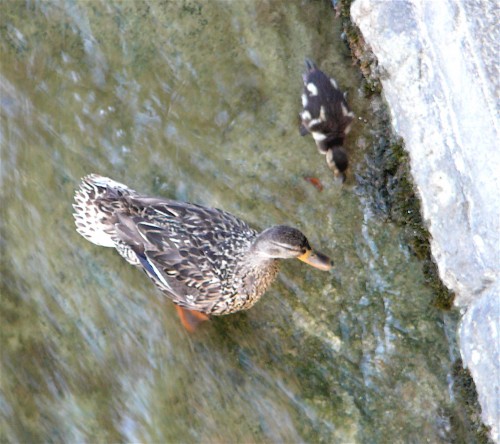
point(198, 101)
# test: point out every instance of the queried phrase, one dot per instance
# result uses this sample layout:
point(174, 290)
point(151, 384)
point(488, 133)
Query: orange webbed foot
point(190, 319)
point(314, 181)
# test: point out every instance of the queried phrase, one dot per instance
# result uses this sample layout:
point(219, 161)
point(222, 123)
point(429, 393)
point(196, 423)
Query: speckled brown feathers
point(200, 257)
point(203, 259)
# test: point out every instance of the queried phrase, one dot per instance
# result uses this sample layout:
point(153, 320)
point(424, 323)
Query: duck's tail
point(96, 201)
point(310, 68)
point(310, 65)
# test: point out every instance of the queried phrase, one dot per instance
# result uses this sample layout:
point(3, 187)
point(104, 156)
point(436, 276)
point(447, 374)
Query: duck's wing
point(184, 272)
point(185, 221)
point(184, 248)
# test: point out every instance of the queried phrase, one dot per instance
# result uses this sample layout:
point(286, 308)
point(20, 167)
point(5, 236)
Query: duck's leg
point(190, 319)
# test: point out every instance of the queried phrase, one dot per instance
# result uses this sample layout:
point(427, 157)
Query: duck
point(326, 116)
point(206, 261)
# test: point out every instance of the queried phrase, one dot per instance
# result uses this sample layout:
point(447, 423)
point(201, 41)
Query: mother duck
point(207, 261)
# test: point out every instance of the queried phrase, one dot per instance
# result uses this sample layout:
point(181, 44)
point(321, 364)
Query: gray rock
point(439, 69)
point(478, 333)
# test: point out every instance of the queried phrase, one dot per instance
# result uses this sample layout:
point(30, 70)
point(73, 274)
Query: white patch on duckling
point(334, 83)
point(314, 122)
point(312, 88)
point(322, 114)
point(346, 112)
point(304, 100)
point(318, 137)
point(306, 115)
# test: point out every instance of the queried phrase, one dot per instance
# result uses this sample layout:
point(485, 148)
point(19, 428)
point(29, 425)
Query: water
point(198, 101)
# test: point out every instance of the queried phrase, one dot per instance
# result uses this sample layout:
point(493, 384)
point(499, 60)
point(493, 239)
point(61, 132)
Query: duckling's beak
point(316, 260)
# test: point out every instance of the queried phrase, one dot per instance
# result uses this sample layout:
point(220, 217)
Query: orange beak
point(316, 260)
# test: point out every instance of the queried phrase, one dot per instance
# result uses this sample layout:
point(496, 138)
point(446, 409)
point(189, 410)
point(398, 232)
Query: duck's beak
point(316, 260)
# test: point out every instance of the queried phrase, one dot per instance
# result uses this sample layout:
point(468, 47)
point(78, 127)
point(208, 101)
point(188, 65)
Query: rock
point(479, 333)
point(439, 70)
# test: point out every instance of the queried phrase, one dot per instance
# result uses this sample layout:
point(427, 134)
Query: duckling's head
point(283, 242)
point(336, 159)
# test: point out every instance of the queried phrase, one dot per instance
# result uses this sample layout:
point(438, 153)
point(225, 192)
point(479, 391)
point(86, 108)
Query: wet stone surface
point(437, 49)
point(198, 101)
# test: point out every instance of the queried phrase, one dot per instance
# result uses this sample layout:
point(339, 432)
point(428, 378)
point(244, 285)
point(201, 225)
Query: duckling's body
point(204, 259)
point(326, 116)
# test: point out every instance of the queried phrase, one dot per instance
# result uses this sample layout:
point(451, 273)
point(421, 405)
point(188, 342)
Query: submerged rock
point(439, 71)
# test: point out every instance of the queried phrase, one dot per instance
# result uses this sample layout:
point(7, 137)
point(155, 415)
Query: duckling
point(207, 261)
point(326, 116)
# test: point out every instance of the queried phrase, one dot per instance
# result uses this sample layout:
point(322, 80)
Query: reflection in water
point(198, 101)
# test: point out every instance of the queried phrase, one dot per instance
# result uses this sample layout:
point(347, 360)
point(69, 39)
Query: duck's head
point(337, 161)
point(283, 242)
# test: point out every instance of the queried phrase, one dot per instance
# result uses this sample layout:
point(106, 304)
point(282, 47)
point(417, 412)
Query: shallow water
point(198, 101)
